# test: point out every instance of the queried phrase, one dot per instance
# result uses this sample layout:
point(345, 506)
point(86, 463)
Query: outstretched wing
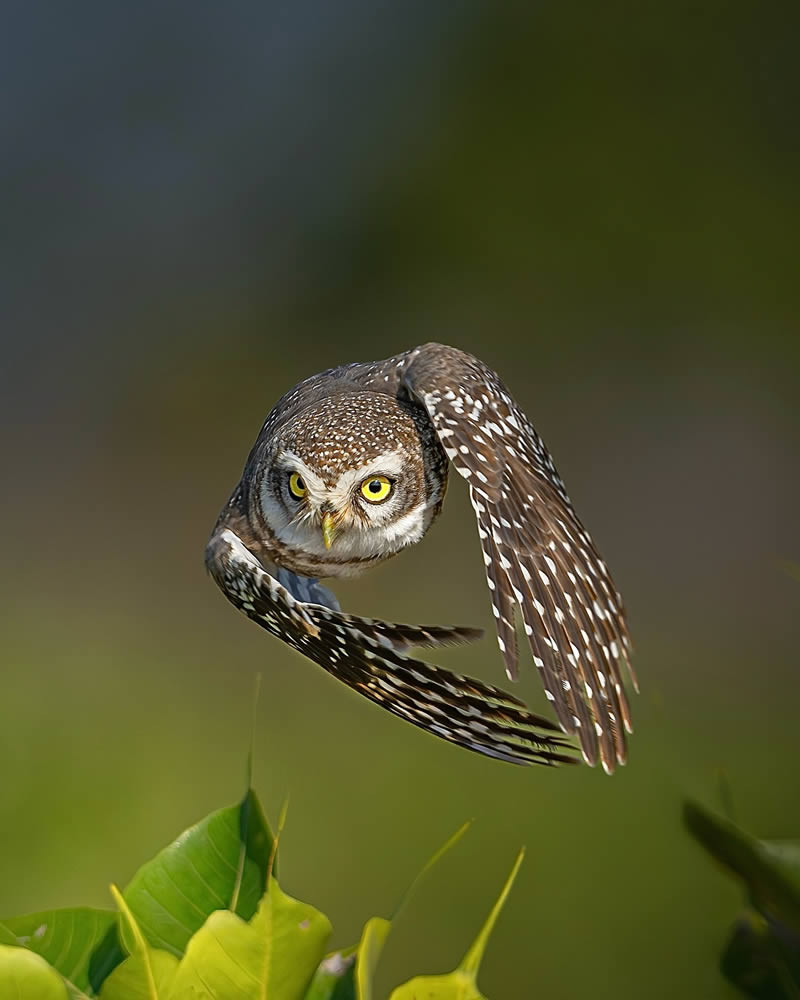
point(538, 555)
point(306, 591)
point(365, 654)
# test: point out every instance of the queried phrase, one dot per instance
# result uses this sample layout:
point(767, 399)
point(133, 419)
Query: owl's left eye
point(376, 489)
point(296, 486)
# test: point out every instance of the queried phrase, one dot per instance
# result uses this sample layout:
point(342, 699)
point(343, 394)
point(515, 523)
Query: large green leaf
point(462, 984)
point(135, 979)
point(770, 869)
point(275, 955)
point(220, 862)
point(66, 938)
point(147, 973)
point(27, 976)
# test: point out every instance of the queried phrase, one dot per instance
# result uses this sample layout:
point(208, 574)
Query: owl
point(351, 467)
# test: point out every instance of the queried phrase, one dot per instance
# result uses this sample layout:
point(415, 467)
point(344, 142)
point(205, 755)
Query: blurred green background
point(201, 205)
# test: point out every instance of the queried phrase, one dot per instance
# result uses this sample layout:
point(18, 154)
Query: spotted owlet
point(350, 468)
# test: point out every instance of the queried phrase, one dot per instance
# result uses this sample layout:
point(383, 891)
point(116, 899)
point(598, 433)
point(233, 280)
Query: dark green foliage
point(206, 918)
point(762, 956)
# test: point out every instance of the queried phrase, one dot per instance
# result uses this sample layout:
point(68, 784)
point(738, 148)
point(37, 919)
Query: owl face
point(348, 481)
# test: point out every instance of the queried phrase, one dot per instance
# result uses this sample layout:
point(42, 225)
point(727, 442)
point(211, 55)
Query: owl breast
point(315, 471)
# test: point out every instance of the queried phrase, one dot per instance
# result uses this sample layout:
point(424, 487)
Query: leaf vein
point(202, 881)
point(154, 935)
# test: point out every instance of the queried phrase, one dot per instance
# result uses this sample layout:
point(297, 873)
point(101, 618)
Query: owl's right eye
point(296, 486)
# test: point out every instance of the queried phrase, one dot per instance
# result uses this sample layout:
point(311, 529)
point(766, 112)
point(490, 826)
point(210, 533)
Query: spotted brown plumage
point(386, 429)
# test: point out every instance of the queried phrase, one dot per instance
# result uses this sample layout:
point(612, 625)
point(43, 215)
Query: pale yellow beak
point(329, 530)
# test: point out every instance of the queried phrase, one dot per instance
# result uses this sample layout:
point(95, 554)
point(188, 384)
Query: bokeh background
point(202, 204)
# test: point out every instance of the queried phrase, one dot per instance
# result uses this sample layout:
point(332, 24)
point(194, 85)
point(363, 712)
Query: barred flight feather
point(538, 555)
point(364, 654)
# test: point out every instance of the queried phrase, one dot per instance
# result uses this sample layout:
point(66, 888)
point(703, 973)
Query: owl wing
point(538, 555)
point(306, 591)
point(365, 655)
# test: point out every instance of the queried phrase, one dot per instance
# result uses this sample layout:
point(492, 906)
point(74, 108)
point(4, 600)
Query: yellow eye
point(376, 489)
point(296, 486)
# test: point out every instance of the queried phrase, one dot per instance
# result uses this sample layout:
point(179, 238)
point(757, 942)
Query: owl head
point(350, 479)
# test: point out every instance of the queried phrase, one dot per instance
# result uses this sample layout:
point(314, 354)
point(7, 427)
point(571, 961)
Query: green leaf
point(770, 869)
point(275, 955)
point(222, 860)
point(462, 984)
point(760, 961)
point(348, 975)
point(135, 980)
point(67, 939)
point(434, 859)
point(335, 977)
point(376, 930)
point(370, 947)
point(147, 974)
point(455, 985)
point(106, 957)
point(27, 976)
